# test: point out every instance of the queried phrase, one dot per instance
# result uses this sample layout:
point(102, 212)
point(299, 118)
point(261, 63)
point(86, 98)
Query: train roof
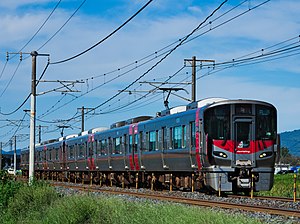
point(204, 103)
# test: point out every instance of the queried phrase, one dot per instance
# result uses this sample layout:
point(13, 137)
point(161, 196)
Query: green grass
point(283, 186)
point(41, 204)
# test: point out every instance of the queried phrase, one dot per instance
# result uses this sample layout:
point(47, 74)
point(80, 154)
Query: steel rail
point(195, 202)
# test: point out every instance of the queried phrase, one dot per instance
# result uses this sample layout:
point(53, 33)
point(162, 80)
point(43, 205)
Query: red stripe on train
point(240, 148)
point(198, 159)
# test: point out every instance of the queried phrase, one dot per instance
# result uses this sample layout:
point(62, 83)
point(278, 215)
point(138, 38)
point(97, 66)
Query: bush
point(8, 189)
point(29, 201)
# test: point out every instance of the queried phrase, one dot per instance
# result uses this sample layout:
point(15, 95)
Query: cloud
point(8, 4)
point(154, 29)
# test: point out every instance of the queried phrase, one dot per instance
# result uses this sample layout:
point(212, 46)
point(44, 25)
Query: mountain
point(291, 140)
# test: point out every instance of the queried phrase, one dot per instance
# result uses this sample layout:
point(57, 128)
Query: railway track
point(271, 198)
point(164, 196)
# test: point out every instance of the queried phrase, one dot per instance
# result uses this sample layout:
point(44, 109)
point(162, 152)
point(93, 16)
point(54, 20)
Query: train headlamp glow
point(265, 154)
point(220, 154)
point(262, 155)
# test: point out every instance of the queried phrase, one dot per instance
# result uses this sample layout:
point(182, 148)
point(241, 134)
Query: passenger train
point(215, 143)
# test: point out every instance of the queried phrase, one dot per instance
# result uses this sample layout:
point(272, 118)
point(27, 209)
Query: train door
point(244, 149)
point(45, 159)
point(125, 151)
point(63, 155)
point(109, 152)
point(192, 144)
point(141, 149)
point(164, 136)
point(132, 156)
point(91, 153)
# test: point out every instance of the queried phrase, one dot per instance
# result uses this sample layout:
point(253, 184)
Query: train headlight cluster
point(265, 154)
point(220, 154)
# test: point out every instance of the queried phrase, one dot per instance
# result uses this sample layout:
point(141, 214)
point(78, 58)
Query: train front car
point(239, 145)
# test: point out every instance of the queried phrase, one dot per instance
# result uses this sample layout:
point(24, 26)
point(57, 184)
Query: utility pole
point(193, 63)
point(15, 155)
point(62, 129)
point(0, 156)
point(33, 54)
point(40, 132)
point(82, 115)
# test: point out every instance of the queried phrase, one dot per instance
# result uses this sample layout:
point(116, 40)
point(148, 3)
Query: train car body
point(228, 144)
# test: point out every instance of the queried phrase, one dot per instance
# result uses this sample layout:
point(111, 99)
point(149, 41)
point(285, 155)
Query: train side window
point(136, 141)
point(71, 151)
point(184, 136)
point(152, 140)
point(50, 156)
point(164, 138)
point(157, 141)
point(141, 143)
point(125, 144)
point(56, 154)
point(130, 144)
point(177, 137)
point(110, 146)
point(103, 147)
point(81, 150)
point(193, 134)
point(97, 147)
point(117, 146)
point(147, 142)
point(171, 138)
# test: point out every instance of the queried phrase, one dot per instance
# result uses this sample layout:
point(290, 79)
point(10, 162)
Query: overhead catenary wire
point(65, 23)
point(43, 24)
point(11, 78)
point(156, 55)
point(18, 108)
point(157, 63)
point(108, 36)
point(245, 62)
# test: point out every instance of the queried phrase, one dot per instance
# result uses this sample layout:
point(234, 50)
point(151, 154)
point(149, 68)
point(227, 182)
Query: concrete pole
point(15, 155)
point(0, 155)
point(32, 118)
point(194, 79)
point(82, 119)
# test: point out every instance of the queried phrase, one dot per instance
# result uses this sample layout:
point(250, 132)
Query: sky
point(254, 45)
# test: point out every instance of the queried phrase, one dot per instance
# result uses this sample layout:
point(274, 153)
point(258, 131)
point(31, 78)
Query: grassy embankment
point(40, 203)
point(283, 186)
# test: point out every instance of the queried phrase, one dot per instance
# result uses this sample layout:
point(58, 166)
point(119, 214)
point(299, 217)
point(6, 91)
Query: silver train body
point(230, 145)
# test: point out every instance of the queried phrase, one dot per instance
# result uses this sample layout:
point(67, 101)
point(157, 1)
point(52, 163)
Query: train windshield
point(217, 122)
point(265, 123)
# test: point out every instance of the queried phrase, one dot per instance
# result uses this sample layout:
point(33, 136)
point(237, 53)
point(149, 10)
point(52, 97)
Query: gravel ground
point(266, 218)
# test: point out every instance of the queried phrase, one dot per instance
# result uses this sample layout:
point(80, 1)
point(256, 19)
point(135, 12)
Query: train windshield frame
point(218, 120)
point(265, 119)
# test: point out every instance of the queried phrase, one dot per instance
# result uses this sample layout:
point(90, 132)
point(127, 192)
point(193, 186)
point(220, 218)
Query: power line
point(101, 41)
point(4, 66)
point(155, 55)
point(62, 25)
point(18, 108)
point(163, 58)
point(39, 29)
point(7, 85)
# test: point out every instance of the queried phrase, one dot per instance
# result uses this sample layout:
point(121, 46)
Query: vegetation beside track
point(40, 203)
point(283, 186)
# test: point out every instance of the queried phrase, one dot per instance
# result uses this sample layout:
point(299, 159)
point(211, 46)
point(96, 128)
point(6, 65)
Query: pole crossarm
point(193, 64)
point(65, 85)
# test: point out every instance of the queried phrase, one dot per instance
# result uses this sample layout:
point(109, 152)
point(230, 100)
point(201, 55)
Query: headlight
point(265, 154)
point(220, 154)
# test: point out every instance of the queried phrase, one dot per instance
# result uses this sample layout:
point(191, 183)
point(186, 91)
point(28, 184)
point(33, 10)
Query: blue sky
point(233, 32)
